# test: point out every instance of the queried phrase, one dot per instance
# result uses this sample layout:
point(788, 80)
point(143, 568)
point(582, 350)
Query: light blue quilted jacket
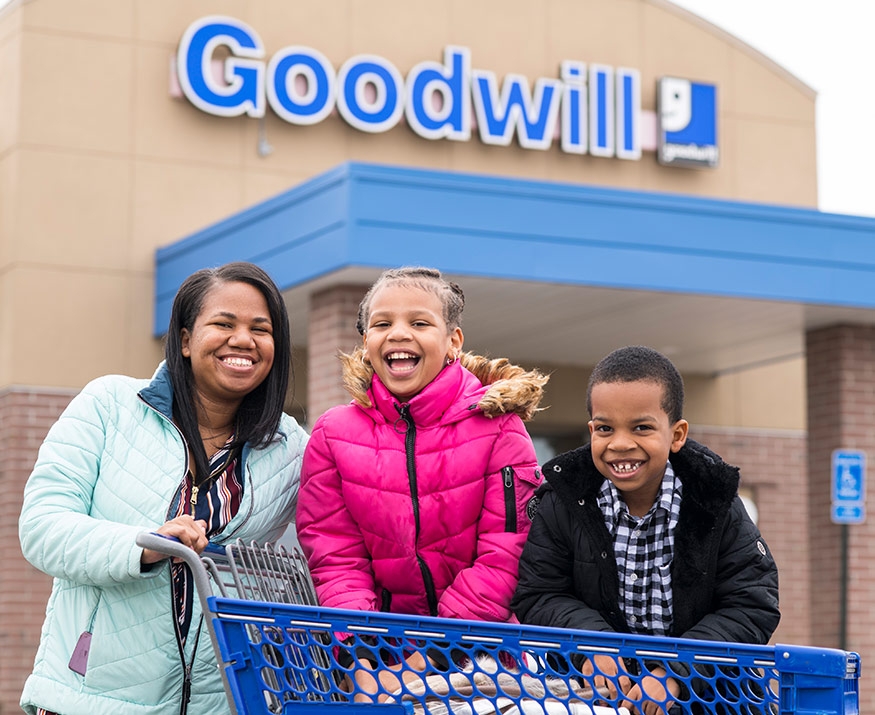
point(107, 470)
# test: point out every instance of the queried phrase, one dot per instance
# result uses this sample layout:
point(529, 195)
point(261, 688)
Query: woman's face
point(407, 340)
point(231, 343)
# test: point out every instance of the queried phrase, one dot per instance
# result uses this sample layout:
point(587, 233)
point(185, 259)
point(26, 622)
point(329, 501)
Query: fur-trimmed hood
point(512, 389)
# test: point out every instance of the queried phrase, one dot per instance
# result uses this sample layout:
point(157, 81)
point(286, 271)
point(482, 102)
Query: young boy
point(642, 530)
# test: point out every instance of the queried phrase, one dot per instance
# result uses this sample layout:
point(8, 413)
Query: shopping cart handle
point(211, 548)
point(170, 545)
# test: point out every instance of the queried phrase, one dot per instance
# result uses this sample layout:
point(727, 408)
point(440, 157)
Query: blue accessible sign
point(848, 486)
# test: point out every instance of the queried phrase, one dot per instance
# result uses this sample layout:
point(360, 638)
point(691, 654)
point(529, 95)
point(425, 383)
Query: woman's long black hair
point(259, 414)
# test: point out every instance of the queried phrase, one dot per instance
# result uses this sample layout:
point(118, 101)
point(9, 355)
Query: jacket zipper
point(220, 539)
point(507, 474)
point(186, 667)
point(409, 448)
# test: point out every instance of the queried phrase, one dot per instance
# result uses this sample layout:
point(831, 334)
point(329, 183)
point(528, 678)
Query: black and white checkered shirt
point(643, 549)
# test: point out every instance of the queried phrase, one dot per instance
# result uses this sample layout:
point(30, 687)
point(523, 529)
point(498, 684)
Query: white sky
point(829, 45)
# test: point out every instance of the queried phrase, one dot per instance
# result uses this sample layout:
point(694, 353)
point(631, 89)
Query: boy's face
point(632, 438)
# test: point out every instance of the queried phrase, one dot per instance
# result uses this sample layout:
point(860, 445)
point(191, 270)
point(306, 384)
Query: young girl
point(413, 497)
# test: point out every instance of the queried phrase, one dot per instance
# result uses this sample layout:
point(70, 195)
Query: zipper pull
point(186, 689)
point(403, 416)
point(193, 500)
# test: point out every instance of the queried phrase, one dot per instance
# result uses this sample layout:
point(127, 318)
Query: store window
point(549, 445)
point(748, 498)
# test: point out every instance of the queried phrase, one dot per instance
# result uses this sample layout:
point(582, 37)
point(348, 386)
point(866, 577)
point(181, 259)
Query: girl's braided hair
point(428, 279)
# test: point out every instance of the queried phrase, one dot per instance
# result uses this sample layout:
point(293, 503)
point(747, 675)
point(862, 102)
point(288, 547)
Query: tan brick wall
point(332, 328)
point(25, 417)
point(773, 466)
point(841, 415)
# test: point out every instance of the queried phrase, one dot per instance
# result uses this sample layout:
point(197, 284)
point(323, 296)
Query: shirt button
point(633, 577)
point(633, 619)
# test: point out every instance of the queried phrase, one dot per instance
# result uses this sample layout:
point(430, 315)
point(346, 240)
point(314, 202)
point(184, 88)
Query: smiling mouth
point(625, 469)
point(401, 361)
point(237, 361)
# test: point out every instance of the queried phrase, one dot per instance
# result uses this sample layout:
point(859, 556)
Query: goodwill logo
point(687, 126)
point(593, 109)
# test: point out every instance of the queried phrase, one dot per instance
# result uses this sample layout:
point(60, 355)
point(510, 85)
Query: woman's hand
point(190, 532)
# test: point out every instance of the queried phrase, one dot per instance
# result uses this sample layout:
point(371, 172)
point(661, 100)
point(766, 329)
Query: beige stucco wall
point(99, 165)
point(770, 396)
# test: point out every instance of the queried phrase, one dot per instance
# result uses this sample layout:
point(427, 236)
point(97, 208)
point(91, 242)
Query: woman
point(200, 452)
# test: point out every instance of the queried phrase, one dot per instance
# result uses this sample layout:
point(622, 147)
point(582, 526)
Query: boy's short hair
point(637, 362)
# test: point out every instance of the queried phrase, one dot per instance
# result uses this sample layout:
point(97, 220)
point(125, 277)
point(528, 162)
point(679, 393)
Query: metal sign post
point(848, 507)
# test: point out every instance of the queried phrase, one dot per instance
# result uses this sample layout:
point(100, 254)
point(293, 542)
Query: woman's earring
point(451, 360)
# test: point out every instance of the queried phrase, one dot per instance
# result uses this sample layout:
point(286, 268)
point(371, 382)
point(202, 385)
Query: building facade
point(594, 173)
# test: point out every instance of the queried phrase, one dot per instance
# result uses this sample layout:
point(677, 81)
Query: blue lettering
point(370, 92)
point(451, 82)
point(534, 118)
point(283, 92)
point(601, 110)
point(597, 108)
point(243, 88)
point(628, 114)
point(574, 131)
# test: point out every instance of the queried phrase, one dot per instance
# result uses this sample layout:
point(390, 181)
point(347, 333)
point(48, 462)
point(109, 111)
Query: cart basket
point(279, 653)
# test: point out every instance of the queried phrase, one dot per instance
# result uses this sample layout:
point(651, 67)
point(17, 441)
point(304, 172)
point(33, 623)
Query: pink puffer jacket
point(428, 515)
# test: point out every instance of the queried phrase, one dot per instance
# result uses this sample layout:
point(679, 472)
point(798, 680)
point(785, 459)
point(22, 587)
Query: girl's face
point(407, 340)
point(231, 343)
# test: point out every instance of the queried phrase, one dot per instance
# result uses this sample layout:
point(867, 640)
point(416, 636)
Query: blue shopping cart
point(280, 653)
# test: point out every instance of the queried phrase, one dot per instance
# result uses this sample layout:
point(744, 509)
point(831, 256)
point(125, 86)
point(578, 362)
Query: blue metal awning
point(381, 216)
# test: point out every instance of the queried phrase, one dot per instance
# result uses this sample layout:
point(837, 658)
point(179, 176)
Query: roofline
point(738, 43)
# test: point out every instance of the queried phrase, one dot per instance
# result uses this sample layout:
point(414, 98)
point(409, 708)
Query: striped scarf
point(215, 500)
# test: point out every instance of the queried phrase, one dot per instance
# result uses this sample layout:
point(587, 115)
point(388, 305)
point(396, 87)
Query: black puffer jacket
point(724, 580)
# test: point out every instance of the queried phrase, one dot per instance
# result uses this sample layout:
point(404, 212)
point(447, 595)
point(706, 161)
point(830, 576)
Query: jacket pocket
point(519, 500)
point(98, 656)
point(81, 650)
point(510, 515)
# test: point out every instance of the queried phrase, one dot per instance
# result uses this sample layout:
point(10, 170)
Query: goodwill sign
point(593, 109)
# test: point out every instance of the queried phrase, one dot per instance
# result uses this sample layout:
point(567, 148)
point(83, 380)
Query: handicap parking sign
point(848, 486)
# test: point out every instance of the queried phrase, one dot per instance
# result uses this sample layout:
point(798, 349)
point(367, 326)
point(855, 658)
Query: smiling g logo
point(687, 117)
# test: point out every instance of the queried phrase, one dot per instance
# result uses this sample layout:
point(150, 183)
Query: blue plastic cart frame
point(286, 658)
point(793, 679)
